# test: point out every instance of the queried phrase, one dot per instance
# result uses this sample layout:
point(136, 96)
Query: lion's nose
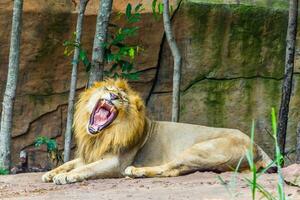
point(113, 96)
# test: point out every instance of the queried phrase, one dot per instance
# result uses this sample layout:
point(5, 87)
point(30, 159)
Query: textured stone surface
point(233, 59)
point(40, 107)
point(291, 174)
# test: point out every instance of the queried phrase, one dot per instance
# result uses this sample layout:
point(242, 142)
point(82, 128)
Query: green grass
point(278, 158)
point(255, 174)
point(253, 181)
point(231, 186)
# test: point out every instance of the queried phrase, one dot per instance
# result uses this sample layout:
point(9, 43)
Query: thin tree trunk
point(11, 85)
point(298, 145)
point(288, 74)
point(103, 16)
point(177, 62)
point(70, 115)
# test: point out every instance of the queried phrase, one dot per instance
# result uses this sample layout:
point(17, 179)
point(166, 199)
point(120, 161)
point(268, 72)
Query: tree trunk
point(298, 144)
point(11, 85)
point(103, 16)
point(177, 62)
point(288, 74)
point(70, 115)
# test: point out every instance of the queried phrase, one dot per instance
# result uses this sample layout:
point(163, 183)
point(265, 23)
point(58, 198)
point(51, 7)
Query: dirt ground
point(202, 186)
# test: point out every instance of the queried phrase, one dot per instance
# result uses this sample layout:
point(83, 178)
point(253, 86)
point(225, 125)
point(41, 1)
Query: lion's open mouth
point(103, 115)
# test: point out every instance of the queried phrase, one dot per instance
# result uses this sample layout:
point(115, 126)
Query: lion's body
point(168, 141)
point(156, 149)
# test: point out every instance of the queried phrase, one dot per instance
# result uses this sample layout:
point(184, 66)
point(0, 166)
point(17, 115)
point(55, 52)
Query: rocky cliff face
point(233, 59)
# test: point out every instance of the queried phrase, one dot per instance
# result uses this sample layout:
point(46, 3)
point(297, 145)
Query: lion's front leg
point(66, 167)
point(105, 168)
point(166, 170)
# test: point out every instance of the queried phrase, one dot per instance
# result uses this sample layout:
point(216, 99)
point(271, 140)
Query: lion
point(116, 139)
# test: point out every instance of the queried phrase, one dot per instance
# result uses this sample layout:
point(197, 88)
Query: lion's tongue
point(100, 118)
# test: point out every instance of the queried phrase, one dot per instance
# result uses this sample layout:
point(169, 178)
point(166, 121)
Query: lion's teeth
point(112, 109)
point(102, 103)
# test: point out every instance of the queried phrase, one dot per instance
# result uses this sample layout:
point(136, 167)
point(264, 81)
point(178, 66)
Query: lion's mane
point(123, 134)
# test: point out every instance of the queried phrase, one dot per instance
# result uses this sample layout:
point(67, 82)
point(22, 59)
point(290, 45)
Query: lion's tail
point(264, 160)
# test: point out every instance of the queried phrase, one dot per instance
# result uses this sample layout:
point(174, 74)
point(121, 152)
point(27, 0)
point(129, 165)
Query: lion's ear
point(122, 84)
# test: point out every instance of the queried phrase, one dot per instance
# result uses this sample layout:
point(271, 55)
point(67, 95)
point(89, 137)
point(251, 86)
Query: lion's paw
point(65, 178)
point(134, 172)
point(47, 177)
point(128, 171)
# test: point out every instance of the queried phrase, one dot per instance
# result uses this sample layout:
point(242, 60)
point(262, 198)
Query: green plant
point(255, 174)
point(118, 54)
point(158, 9)
point(231, 185)
point(3, 171)
point(278, 158)
point(52, 149)
point(254, 185)
point(70, 46)
point(278, 162)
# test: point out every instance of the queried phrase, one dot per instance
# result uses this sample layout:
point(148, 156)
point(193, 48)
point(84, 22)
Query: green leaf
point(129, 31)
point(131, 76)
point(113, 67)
point(51, 145)
point(87, 65)
point(3, 171)
point(126, 66)
point(110, 57)
point(66, 51)
point(128, 11)
point(131, 53)
point(138, 7)
point(160, 8)
point(119, 14)
point(119, 37)
point(274, 123)
point(154, 7)
point(84, 58)
point(82, 54)
point(123, 51)
point(134, 18)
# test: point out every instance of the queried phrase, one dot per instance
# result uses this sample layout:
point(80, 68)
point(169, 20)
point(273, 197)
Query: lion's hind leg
point(213, 155)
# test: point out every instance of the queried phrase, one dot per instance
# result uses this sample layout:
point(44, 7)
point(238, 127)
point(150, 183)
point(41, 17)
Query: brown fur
point(124, 133)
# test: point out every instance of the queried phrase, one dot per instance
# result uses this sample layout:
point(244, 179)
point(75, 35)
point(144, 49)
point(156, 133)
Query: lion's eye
point(113, 96)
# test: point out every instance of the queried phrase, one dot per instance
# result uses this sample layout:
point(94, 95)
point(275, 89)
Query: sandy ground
point(202, 186)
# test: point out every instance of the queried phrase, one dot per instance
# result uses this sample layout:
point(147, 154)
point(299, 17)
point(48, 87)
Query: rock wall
point(41, 102)
point(233, 59)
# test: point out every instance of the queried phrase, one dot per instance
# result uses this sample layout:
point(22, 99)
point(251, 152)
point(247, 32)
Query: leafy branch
point(118, 54)
point(52, 149)
point(70, 46)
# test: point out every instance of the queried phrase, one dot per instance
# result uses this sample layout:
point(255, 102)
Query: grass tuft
point(253, 180)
